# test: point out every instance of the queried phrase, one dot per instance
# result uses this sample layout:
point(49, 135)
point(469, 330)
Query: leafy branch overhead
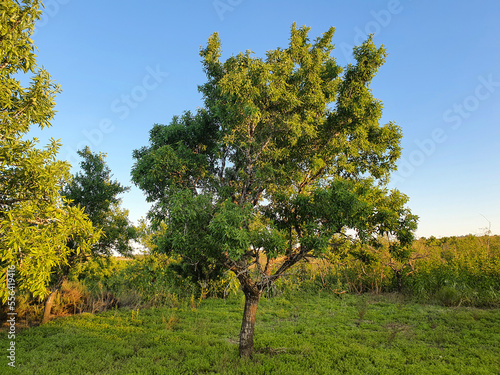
point(287, 156)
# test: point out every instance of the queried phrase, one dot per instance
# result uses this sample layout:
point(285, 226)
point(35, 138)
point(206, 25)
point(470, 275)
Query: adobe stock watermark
point(455, 115)
point(223, 6)
point(462, 111)
point(121, 107)
point(380, 20)
point(50, 9)
point(11, 316)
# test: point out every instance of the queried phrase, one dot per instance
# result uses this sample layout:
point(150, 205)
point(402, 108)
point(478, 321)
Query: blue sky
point(126, 65)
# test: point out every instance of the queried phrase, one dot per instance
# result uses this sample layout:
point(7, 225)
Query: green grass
point(320, 334)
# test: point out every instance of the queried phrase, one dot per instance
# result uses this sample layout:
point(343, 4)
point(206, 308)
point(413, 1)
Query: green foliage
point(35, 224)
point(286, 155)
point(301, 334)
point(148, 280)
point(468, 267)
point(448, 296)
point(107, 282)
point(350, 269)
point(94, 191)
point(97, 273)
point(450, 271)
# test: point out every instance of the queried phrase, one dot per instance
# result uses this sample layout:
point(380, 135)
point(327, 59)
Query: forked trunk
point(48, 306)
point(248, 324)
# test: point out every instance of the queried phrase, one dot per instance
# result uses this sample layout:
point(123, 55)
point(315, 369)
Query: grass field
point(299, 334)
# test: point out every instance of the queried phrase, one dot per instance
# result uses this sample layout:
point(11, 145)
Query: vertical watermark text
point(11, 314)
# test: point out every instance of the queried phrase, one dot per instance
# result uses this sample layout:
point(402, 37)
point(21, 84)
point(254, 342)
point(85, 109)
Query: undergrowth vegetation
point(456, 271)
point(344, 314)
point(296, 333)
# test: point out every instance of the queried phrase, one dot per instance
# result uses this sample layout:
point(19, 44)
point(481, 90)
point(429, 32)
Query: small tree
point(35, 223)
point(401, 259)
point(93, 189)
point(286, 156)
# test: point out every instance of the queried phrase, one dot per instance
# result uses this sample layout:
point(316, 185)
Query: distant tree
point(401, 259)
point(93, 189)
point(199, 270)
point(286, 156)
point(35, 222)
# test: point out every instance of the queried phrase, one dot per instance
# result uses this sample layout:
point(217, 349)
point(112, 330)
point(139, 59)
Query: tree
point(286, 158)
point(93, 189)
point(400, 259)
point(35, 222)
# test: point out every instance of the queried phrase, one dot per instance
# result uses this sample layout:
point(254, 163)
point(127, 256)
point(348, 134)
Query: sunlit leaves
point(293, 158)
point(35, 224)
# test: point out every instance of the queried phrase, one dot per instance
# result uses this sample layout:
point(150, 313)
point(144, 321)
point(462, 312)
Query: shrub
point(448, 296)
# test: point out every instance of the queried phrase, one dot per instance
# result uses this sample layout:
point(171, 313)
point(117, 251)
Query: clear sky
point(126, 65)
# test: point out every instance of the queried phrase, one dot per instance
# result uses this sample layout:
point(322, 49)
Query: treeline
point(451, 270)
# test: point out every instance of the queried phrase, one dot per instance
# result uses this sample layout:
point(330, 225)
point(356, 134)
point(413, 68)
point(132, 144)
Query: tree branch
point(289, 262)
point(4, 65)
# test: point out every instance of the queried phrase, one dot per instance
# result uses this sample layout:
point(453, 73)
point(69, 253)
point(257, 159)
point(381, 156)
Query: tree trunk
point(48, 305)
point(204, 288)
point(248, 324)
point(50, 300)
point(399, 277)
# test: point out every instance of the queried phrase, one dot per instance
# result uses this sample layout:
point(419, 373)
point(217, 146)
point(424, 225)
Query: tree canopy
point(286, 158)
point(35, 222)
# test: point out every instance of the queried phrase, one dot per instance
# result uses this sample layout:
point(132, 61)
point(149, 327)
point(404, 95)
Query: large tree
point(35, 222)
point(286, 159)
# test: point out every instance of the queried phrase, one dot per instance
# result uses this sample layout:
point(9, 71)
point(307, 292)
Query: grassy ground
point(320, 334)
